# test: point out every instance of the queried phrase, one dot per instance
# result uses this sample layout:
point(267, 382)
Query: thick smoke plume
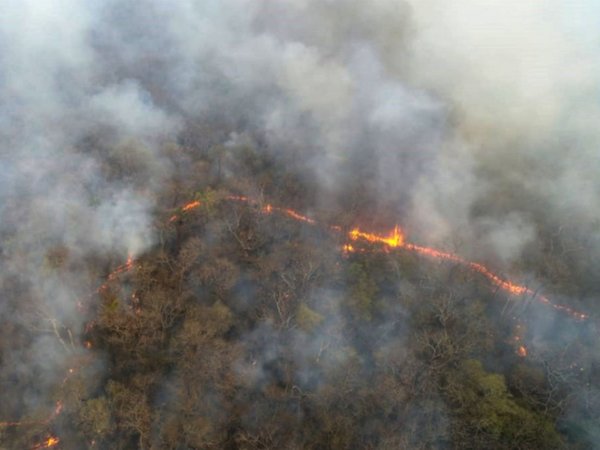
point(471, 122)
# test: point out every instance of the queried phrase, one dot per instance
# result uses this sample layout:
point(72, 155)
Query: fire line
point(397, 240)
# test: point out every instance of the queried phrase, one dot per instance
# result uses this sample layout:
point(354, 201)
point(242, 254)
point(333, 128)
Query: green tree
point(488, 415)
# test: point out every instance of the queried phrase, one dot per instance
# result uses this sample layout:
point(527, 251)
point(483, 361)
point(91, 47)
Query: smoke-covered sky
point(434, 107)
point(522, 79)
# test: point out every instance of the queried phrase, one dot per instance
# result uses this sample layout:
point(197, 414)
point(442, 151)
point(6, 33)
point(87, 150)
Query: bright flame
point(348, 248)
point(51, 441)
point(522, 351)
point(394, 240)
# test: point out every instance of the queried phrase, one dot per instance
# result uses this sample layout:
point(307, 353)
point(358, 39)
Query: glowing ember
point(57, 410)
point(294, 215)
point(119, 270)
point(518, 339)
point(238, 198)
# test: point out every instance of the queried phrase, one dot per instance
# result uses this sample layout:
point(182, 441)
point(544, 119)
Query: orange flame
point(522, 351)
point(191, 205)
point(185, 208)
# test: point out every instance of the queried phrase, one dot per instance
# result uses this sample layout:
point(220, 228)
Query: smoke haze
point(473, 123)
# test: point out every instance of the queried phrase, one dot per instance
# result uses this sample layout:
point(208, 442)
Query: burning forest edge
point(357, 241)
